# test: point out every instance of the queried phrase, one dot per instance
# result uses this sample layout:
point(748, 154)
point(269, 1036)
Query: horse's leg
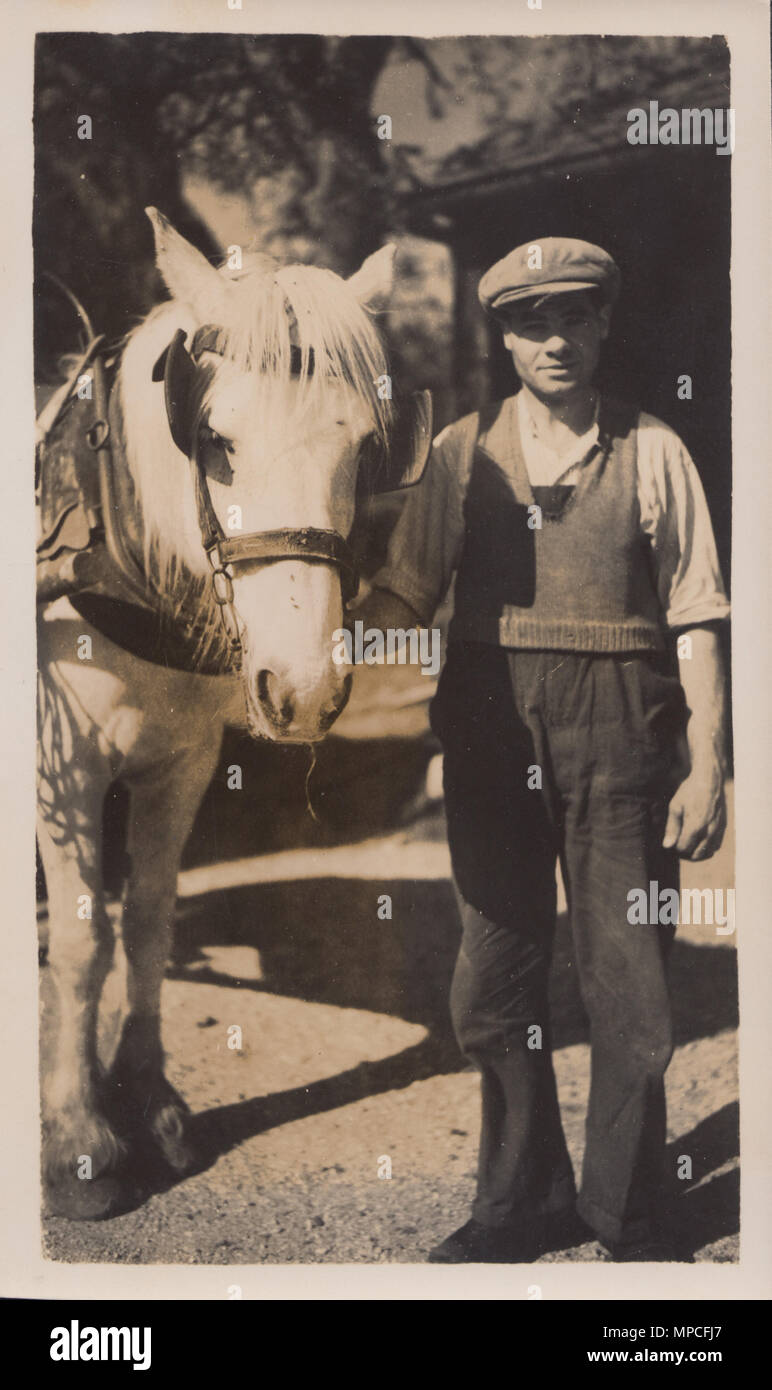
point(164, 802)
point(81, 1153)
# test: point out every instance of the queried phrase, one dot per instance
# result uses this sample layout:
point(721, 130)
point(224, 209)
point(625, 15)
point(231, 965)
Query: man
point(579, 537)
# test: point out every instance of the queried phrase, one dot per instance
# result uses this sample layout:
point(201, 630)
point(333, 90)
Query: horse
point(242, 414)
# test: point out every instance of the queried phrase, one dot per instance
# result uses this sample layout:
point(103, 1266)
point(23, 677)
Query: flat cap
point(552, 265)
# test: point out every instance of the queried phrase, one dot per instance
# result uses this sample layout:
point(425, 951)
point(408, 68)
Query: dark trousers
point(600, 734)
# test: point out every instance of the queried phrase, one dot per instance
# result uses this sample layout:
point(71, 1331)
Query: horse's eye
point(215, 440)
point(214, 452)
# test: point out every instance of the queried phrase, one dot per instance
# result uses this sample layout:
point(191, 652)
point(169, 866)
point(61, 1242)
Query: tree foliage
point(286, 121)
point(528, 99)
point(290, 114)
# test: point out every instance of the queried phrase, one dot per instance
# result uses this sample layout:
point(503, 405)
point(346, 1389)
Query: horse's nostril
point(280, 711)
point(278, 705)
point(263, 678)
point(342, 699)
point(327, 719)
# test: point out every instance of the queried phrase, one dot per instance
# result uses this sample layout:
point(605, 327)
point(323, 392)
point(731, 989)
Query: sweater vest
point(565, 568)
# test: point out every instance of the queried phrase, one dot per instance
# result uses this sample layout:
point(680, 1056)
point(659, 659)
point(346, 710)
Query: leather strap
point(310, 543)
point(306, 543)
point(100, 437)
point(209, 337)
point(58, 400)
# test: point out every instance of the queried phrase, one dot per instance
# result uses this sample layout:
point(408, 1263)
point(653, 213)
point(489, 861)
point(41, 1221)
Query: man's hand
point(697, 813)
point(696, 818)
point(381, 609)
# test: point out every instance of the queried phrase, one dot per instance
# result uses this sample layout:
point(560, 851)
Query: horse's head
point(276, 390)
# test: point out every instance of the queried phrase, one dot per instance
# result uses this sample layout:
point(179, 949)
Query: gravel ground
point(347, 1070)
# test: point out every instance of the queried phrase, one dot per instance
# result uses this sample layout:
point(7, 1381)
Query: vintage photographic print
point(385, 757)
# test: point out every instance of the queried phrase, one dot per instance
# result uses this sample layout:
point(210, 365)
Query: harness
point(76, 568)
point(83, 545)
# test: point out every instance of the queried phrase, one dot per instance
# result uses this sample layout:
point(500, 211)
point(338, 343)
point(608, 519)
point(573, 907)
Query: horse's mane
point(263, 310)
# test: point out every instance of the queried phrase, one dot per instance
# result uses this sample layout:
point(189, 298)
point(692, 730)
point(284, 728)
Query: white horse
point(276, 405)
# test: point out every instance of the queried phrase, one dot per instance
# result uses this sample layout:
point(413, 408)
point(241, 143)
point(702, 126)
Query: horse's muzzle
point(276, 711)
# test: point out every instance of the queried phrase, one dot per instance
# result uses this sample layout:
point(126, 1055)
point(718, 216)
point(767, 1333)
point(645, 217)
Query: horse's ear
point(186, 272)
point(372, 283)
point(176, 367)
point(410, 441)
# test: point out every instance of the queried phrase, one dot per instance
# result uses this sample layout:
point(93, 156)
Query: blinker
point(383, 468)
point(401, 462)
point(176, 368)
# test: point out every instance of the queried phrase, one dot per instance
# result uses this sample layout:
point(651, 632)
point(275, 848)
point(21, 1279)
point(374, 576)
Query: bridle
point(180, 369)
point(223, 552)
point(306, 543)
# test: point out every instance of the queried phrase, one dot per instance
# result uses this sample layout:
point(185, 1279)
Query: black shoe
point(564, 1230)
point(478, 1244)
point(640, 1252)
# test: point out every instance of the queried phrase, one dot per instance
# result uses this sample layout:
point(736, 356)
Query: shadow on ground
point(707, 1209)
point(322, 940)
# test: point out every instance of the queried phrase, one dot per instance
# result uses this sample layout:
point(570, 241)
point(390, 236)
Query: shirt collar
point(576, 453)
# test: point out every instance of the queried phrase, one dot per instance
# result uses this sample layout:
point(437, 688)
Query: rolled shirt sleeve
point(674, 513)
point(426, 543)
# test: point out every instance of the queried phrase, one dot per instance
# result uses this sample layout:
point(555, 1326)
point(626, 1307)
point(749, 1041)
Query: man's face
point(555, 341)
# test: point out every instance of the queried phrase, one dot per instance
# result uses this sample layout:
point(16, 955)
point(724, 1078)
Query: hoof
point(85, 1178)
point(90, 1199)
point(167, 1126)
point(150, 1115)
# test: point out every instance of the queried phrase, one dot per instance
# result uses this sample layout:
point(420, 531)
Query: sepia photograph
point(384, 863)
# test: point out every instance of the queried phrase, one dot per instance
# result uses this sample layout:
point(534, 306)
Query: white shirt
point(427, 541)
